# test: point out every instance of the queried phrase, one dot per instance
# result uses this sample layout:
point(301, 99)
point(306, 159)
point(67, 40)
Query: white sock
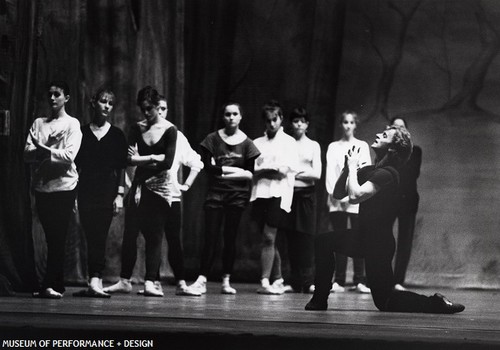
point(94, 283)
point(181, 283)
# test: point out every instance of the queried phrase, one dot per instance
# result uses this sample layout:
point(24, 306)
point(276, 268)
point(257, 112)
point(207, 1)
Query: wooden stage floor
point(247, 321)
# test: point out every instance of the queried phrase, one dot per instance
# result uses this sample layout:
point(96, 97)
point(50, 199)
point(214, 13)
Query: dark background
point(432, 61)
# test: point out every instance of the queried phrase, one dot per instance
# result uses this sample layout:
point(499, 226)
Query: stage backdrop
point(436, 64)
point(433, 62)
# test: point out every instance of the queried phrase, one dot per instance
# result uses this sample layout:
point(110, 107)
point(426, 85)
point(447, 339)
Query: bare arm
point(147, 161)
point(313, 172)
point(193, 174)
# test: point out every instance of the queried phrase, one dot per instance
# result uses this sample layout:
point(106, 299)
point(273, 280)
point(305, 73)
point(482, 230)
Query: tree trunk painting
point(390, 62)
point(473, 81)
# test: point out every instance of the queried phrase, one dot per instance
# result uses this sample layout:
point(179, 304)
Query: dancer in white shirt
point(341, 210)
point(300, 223)
point(272, 193)
point(51, 148)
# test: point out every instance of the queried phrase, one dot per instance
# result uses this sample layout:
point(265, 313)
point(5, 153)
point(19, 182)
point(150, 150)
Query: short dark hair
point(230, 103)
point(299, 112)
point(272, 107)
point(149, 94)
point(61, 85)
point(391, 121)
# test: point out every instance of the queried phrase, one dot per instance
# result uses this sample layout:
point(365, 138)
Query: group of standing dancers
point(277, 173)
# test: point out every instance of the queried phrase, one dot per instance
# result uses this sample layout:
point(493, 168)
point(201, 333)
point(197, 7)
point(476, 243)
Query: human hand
point(184, 188)
point(34, 139)
point(352, 158)
point(156, 158)
point(117, 204)
point(132, 151)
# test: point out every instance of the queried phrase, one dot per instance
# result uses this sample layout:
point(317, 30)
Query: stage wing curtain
point(250, 52)
point(199, 54)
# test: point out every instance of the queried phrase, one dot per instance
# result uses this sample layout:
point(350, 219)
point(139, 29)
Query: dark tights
point(379, 250)
point(153, 217)
point(300, 252)
point(213, 223)
point(54, 211)
point(95, 223)
point(338, 220)
point(406, 228)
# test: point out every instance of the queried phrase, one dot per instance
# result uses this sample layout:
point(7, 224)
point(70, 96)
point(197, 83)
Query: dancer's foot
point(267, 288)
point(226, 286)
point(314, 305)
point(47, 293)
point(200, 285)
point(441, 305)
point(399, 288)
point(227, 289)
point(150, 290)
point(361, 288)
point(337, 288)
point(122, 286)
point(157, 285)
point(280, 285)
point(187, 291)
point(91, 293)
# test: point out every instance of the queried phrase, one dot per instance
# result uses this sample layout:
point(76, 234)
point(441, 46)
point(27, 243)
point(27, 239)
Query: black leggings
point(379, 250)
point(338, 220)
point(300, 253)
point(213, 222)
point(153, 217)
point(406, 228)
point(96, 223)
point(54, 211)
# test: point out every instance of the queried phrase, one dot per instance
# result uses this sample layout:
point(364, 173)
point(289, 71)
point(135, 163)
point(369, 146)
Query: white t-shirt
point(309, 160)
point(277, 152)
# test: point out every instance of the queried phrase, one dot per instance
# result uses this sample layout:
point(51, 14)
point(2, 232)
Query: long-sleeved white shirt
point(58, 172)
point(335, 157)
point(280, 151)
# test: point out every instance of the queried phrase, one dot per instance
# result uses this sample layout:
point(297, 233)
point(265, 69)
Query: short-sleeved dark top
point(379, 211)
point(409, 174)
point(99, 163)
point(241, 155)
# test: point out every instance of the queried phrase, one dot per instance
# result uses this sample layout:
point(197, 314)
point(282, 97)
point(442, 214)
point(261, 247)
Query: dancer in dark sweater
point(407, 209)
point(100, 163)
point(374, 187)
